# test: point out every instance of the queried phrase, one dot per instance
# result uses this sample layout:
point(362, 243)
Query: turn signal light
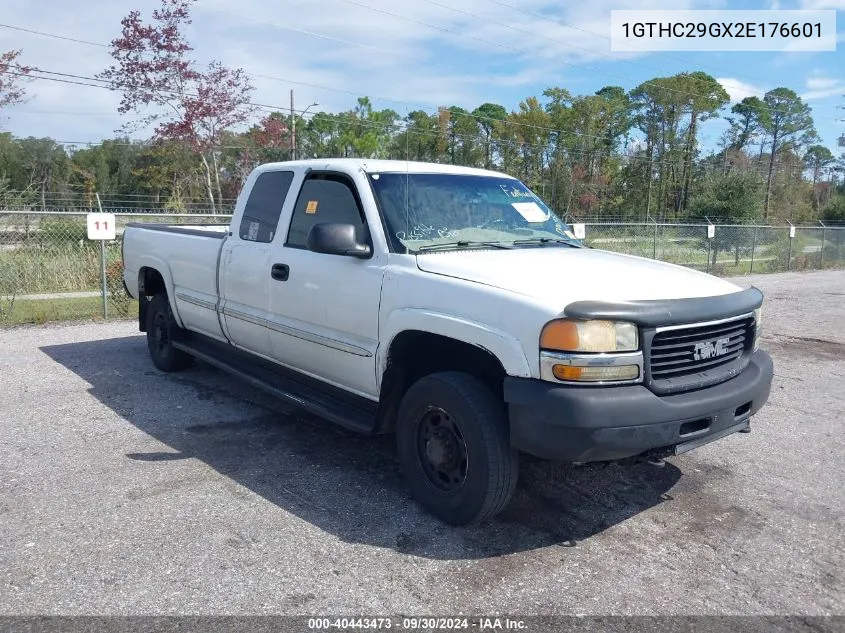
point(596, 374)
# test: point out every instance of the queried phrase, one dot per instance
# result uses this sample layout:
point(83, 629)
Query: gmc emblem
point(714, 349)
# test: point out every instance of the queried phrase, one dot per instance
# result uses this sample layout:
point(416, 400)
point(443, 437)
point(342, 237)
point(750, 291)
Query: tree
point(746, 124)
point(487, 115)
point(706, 97)
point(155, 73)
point(728, 198)
point(816, 159)
point(420, 138)
point(13, 78)
point(789, 125)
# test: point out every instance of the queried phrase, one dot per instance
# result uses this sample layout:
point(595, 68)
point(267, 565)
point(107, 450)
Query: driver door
point(324, 311)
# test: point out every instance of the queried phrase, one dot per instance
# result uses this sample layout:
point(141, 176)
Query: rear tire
point(162, 330)
point(453, 444)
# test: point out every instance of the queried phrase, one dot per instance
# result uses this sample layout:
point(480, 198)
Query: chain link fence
point(50, 271)
point(725, 249)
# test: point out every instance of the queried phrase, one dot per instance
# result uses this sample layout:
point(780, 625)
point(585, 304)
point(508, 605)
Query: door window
point(324, 198)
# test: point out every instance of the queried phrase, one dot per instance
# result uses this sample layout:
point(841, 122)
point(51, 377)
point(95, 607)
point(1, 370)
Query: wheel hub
point(442, 450)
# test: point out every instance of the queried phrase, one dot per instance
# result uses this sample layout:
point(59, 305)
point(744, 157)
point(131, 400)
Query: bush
point(62, 232)
point(781, 250)
point(119, 299)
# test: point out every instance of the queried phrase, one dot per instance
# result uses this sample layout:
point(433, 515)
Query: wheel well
point(414, 354)
point(150, 283)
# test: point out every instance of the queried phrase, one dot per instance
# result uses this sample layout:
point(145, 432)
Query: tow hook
point(656, 458)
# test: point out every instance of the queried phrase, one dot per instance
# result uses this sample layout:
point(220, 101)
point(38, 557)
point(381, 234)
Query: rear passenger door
point(324, 312)
point(244, 282)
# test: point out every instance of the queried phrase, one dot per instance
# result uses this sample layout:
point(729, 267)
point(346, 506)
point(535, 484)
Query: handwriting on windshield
point(423, 232)
point(513, 192)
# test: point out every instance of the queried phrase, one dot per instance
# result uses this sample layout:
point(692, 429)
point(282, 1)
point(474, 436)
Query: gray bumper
point(606, 423)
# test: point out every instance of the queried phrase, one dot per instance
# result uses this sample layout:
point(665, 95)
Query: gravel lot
point(127, 491)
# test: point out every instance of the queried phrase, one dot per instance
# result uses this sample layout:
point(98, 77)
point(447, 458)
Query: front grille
point(691, 356)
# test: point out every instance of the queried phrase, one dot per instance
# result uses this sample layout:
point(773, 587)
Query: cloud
point(820, 86)
point(835, 91)
point(739, 90)
point(342, 49)
point(823, 4)
point(818, 82)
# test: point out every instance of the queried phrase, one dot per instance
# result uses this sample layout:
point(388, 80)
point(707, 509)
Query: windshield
point(424, 211)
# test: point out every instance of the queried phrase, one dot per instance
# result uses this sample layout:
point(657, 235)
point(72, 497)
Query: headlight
point(589, 336)
point(758, 327)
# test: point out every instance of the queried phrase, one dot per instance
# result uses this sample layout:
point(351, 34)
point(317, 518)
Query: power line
point(475, 116)
point(400, 55)
point(58, 37)
point(567, 152)
point(335, 119)
point(317, 86)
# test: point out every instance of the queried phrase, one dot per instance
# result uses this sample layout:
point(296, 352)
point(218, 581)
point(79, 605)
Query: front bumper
point(583, 424)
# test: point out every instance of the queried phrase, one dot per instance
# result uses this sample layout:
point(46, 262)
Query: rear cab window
point(264, 206)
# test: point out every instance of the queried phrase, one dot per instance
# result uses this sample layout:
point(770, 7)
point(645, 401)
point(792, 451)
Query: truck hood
point(561, 275)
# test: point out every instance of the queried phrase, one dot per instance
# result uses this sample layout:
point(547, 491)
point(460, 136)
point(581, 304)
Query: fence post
point(103, 266)
point(824, 235)
point(789, 251)
point(753, 247)
point(654, 245)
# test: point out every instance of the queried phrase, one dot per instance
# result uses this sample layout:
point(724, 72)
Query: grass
point(23, 312)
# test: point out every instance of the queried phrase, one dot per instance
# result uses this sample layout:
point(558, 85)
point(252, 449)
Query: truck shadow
point(348, 485)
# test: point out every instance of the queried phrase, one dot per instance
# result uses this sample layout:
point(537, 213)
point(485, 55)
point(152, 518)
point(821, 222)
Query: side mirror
point(333, 238)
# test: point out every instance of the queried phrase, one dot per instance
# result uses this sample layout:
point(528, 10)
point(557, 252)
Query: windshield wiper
point(546, 240)
point(461, 244)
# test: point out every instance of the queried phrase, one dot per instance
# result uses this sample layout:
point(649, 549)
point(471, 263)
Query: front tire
point(161, 331)
point(453, 444)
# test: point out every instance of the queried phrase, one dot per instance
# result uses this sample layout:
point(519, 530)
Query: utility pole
point(292, 128)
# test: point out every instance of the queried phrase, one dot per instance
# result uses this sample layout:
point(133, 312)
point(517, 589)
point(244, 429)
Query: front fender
point(499, 343)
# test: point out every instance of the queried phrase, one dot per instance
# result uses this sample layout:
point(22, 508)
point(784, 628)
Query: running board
point(359, 416)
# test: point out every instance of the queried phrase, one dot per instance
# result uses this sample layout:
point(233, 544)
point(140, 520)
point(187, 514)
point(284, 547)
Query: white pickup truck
point(452, 307)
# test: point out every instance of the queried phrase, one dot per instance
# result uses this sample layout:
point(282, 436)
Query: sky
point(403, 54)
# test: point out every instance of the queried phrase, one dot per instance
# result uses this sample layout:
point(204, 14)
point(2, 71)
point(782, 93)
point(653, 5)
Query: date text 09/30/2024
point(417, 623)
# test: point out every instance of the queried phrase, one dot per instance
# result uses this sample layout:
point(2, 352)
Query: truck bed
point(189, 254)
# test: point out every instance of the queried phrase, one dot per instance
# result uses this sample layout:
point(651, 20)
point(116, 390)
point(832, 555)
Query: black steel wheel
point(161, 330)
point(454, 449)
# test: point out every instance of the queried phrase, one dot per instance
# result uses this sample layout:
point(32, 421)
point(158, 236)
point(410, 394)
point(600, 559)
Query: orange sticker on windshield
point(312, 207)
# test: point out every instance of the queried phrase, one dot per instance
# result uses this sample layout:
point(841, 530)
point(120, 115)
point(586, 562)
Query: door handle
point(280, 272)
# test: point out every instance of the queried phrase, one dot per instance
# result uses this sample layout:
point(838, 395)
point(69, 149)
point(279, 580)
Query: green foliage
point(728, 196)
point(786, 253)
point(62, 232)
point(834, 212)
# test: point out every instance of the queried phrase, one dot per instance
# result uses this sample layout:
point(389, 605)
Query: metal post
point(824, 235)
point(707, 268)
point(789, 252)
point(103, 268)
point(292, 128)
point(753, 246)
point(103, 272)
point(654, 245)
